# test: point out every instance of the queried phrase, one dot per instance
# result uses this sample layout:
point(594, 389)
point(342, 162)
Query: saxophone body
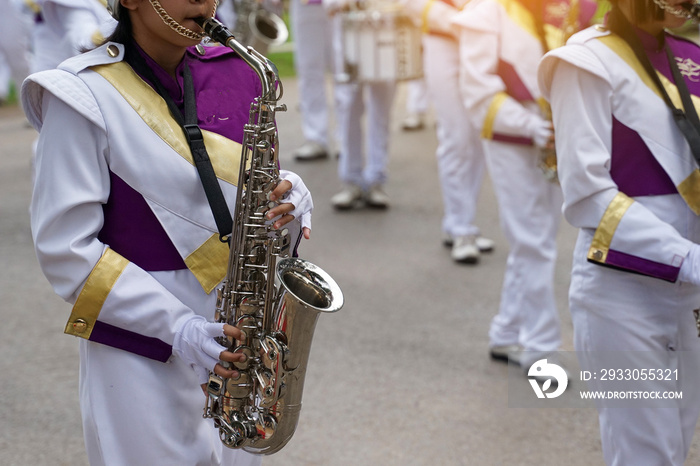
point(274, 299)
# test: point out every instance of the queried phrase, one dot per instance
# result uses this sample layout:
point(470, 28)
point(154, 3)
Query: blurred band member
point(362, 167)
point(312, 59)
point(501, 44)
point(459, 154)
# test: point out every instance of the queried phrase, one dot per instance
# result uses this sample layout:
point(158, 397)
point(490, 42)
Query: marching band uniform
point(226, 14)
point(364, 179)
point(500, 47)
point(312, 59)
point(124, 232)
point(459, 153)
point(416, 105)
point(5, 78)
point(66, 28)
point(631, 189)
point(14, 47)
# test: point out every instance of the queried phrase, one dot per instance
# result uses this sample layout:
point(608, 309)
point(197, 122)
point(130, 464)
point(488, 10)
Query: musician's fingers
point(280, 190)
point(225, 373)
point(280, 210)
point(282, 221)
point(235, 332)
point(307, 233)
point(230, 356)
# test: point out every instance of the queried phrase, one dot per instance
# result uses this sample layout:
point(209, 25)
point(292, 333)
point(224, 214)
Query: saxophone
point(276, 303)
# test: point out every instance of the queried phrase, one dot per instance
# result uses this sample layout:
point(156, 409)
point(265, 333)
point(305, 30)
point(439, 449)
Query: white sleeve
point(72, 184)
point(480, 84)
point(79, 27)
point(582, 115)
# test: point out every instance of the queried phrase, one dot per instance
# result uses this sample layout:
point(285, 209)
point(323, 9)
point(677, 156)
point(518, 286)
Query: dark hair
point(123, 32)
point(642, 11)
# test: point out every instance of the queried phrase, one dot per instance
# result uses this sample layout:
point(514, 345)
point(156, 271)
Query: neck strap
point(687, 121)
point(195, 139)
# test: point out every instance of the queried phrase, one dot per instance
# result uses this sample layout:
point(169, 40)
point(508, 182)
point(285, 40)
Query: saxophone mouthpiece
point(214, 29)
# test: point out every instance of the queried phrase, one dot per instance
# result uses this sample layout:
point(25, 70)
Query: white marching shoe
point(465, 250)
point(348, 198)
point(482, 243)
point(506, 353)
point(377, 198)
point(310, 150)
point(413, 122)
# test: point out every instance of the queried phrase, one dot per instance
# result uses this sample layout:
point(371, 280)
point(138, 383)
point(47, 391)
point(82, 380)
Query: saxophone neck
point(265, 69)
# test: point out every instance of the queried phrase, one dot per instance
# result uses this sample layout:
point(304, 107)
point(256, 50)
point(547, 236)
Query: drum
point(379, 45)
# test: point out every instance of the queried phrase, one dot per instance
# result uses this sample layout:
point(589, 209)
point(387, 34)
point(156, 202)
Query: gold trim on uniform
point(223, 152)
point(425, 28)
point(689, 189)
point(600, 245)
point(209, 262)
point(93, 295)
point(554, 36)
point(494, 107)
point(33, 6)
point(621, 48)
point(545, 108)
point(97, 38)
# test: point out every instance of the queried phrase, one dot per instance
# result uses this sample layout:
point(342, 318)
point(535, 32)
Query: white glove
point(194, 343)
point(541, 131)
point(300, 197)
point(690, 269)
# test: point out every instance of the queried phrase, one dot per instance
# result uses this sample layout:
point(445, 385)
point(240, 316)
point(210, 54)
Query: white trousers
point(530, 213)
point(459, 153)
point(14, 43)
point(416, 96)
point(351, 100)
point(141, 412)
point(5, 77)
point(312, 59)
point(626, 313)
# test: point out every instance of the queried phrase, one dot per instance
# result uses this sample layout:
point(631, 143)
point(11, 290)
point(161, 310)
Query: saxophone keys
point(239, 387)
point(215, 385)
point(267, 388)
point(266, 426)
point(244, 365)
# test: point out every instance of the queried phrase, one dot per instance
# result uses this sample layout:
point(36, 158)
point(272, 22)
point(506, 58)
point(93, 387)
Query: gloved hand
point(300, 197)
point(194, 343)
point(541, 132)
point(690, 269)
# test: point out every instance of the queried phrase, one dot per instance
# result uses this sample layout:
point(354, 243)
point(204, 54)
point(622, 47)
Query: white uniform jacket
point(434, 16)
point(122, 137)
point(501, 45)
point(74, 26)
point(628, 176)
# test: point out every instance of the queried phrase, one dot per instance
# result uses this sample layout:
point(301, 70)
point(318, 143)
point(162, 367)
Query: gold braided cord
point(174, 25)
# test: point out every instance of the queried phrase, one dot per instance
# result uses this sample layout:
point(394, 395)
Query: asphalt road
point(400, 376)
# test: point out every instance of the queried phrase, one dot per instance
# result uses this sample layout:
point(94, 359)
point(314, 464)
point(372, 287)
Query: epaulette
point(590, 33)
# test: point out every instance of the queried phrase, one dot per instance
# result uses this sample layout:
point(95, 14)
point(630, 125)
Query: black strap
point(687, 121)
point(195, 139)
